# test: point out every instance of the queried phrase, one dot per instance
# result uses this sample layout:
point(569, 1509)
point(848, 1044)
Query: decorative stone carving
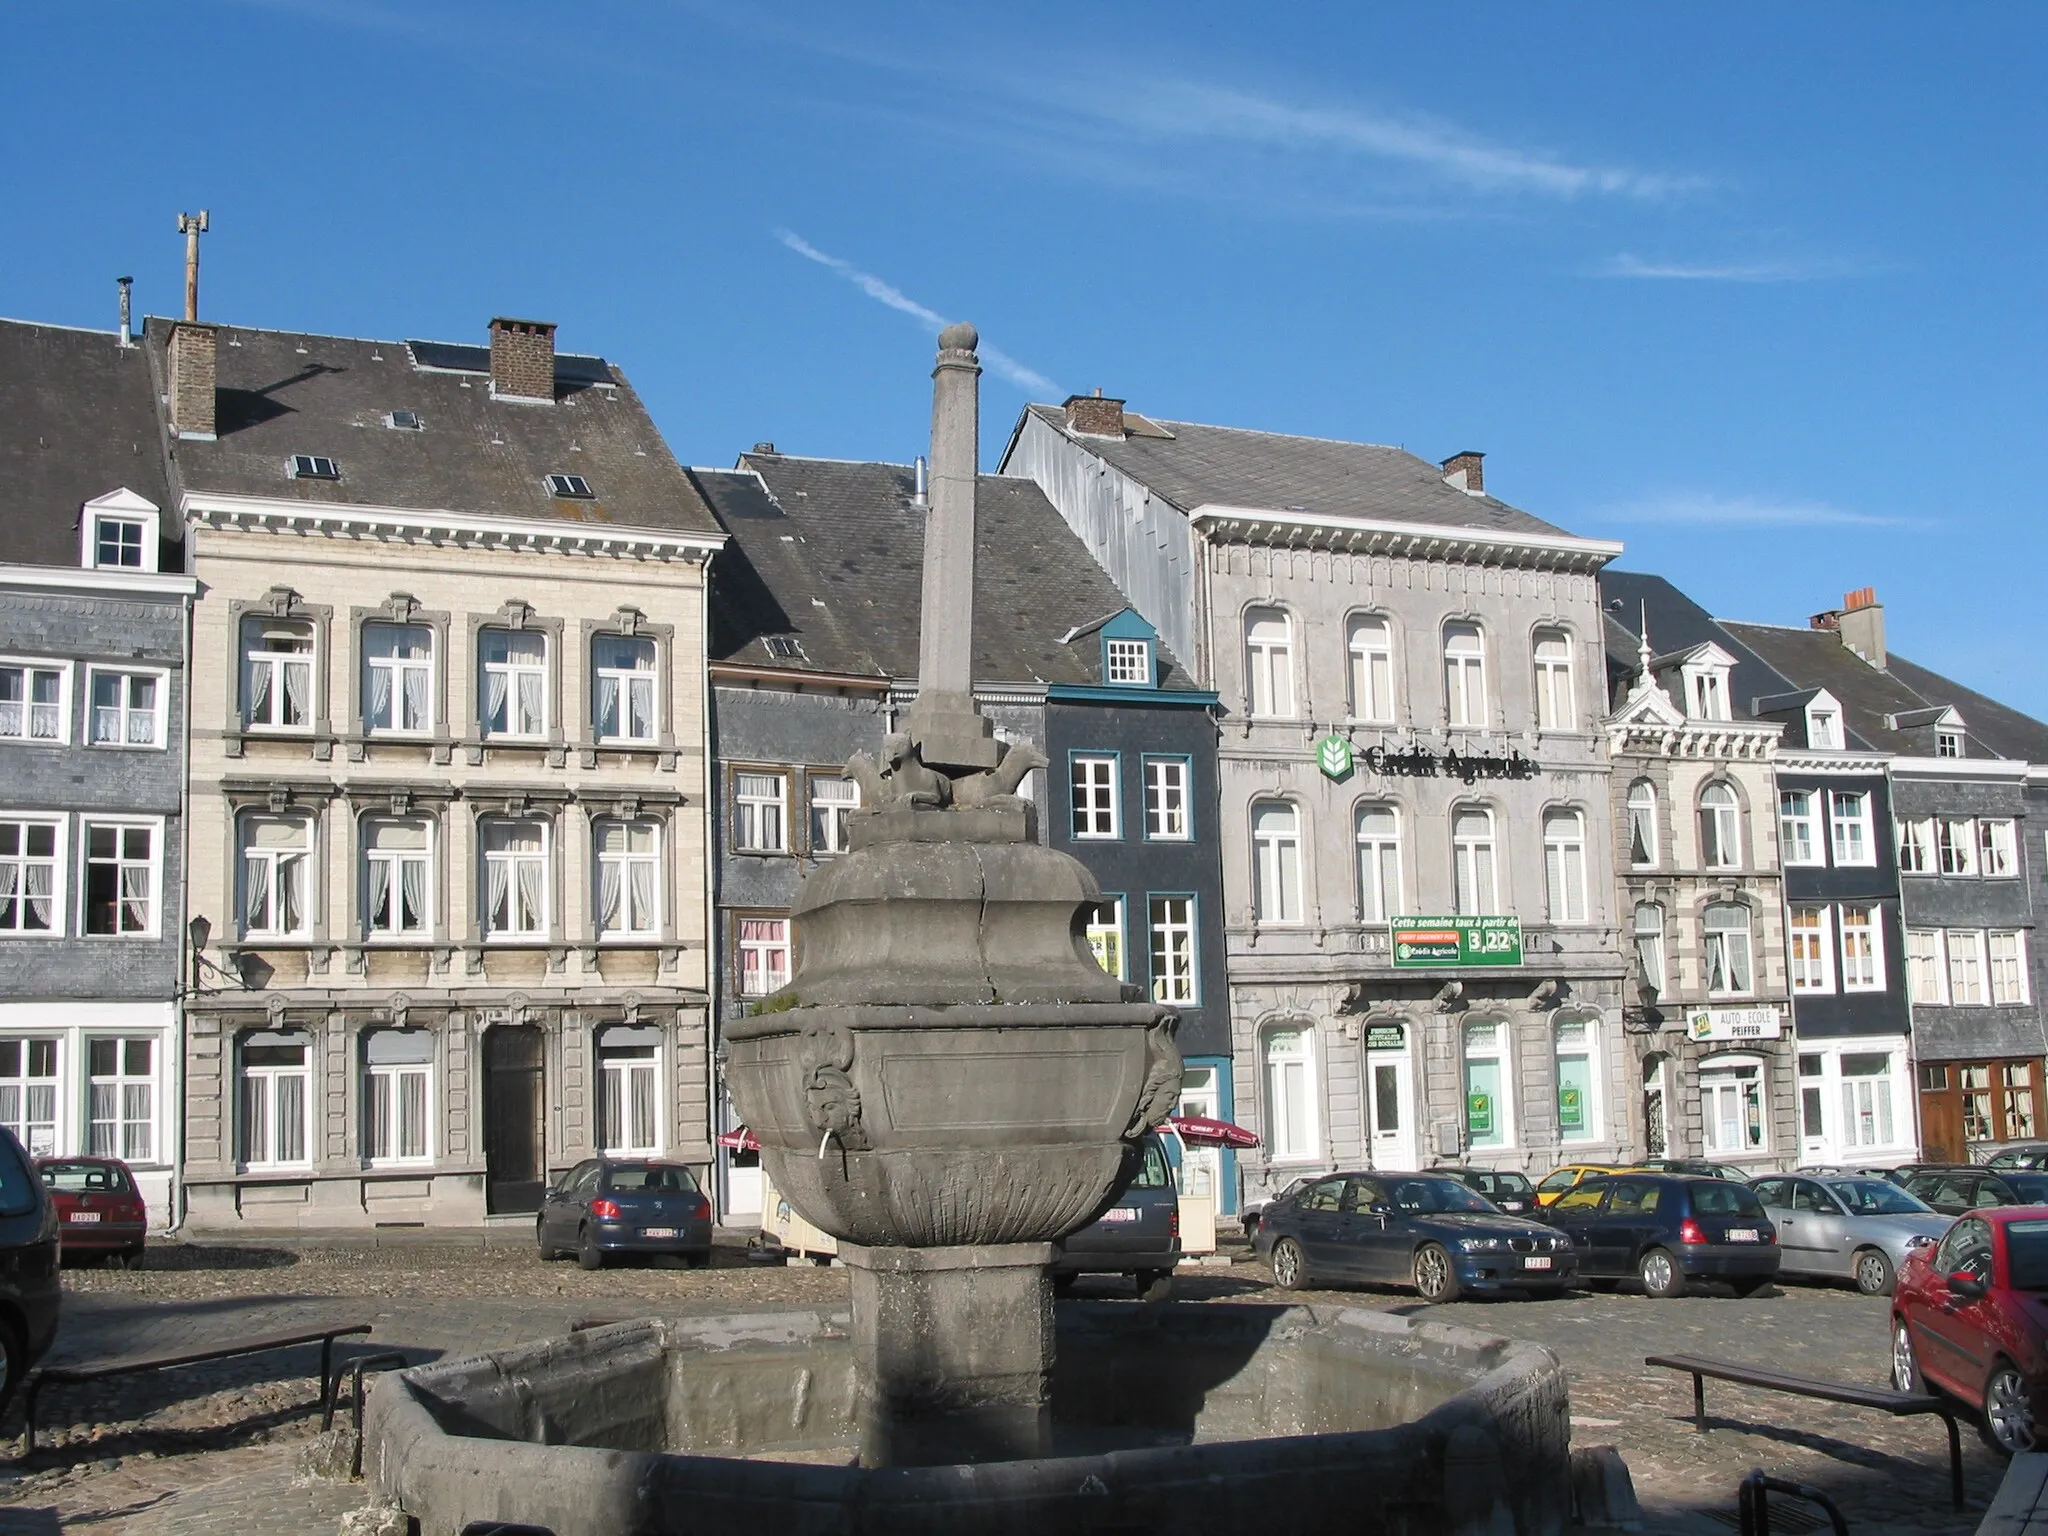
point(997, 787)
point(901, 777)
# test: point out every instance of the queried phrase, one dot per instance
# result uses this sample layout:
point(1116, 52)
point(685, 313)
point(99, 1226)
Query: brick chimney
point(1095, 416)
point(1466, 472)
point(523, 360)
point(190, 359)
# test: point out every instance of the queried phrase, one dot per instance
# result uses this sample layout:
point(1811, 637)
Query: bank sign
point(1429, 943)
point(1734, 1024)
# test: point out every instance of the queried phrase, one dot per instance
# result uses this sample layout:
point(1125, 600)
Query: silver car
point(1849, 1228)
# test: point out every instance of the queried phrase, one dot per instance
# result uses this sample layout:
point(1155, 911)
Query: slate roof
point(281, 393)
point(77, 420)
point(1233, 466)
point(1677, 623)
point(830, 553)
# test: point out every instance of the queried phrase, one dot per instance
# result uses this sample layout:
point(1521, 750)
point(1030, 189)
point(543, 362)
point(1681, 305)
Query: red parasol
point(1201, 1131)
point(740, 1140)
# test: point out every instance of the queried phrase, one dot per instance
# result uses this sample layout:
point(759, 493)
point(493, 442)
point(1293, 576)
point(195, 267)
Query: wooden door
point(515, 1131)
point(1941, 1118)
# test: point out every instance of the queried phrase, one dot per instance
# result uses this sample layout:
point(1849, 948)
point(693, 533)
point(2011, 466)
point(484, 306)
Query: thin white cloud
point(887, 293)
point(1809, 270)
point(1703, 510)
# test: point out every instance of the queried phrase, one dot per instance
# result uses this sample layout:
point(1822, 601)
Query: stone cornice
point(1418, 541)
point(461, 530)
point(99, 582)
point(1706, 740)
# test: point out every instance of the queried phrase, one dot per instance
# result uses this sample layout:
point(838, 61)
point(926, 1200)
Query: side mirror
point(1969, 1287)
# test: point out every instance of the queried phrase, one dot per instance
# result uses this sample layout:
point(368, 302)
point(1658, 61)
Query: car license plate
point(83, 1216)
point(1120, 1213)
point(1742, 1234)
point(1540, 1262)
point(657, 1231)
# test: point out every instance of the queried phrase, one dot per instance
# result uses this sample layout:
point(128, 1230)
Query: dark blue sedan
point(1669, 1232)
point(1427, 1230)
point(607, 1206)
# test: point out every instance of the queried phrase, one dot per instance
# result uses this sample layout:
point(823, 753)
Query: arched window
point(1269, 663)
point(1720, 828)
point(1464, 675)
point(1276, 862)
point(1290, 1094)
point(1657, 1105)
point(1564, 865)
point(277, 862)
point(1489, 1120)
point(1649, 933)
point(275, 1073)
point(398, 677)
point(1732, 1104)
point(1371, 643)
point(1379, 863)
point(629, 1090)
point(1474, 892)
point(398, 1080)
point(628, 879)
point(515, 878)
point(1728, 950)
point(1642, 825)
point(1556, 709)
point(1575, 1043)
point(277, 675)
point(397, 877)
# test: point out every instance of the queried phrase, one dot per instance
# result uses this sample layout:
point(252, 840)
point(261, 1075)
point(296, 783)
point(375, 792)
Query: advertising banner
point(1435, 942)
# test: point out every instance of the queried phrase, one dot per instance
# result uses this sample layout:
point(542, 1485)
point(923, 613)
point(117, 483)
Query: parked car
point(1252, 1212)
point(1668, 1231)
point(607, 1206)
point(1570, 1176)
point(30, 1286)
point(1699, 1167)
point(1428, 1230)
point(1509, 1190)
point(2025, 1154)
point(1969, 1320)
point(1139, 1236)
point(1967, 1187)
point(99, 1209)
point(1847, 1228)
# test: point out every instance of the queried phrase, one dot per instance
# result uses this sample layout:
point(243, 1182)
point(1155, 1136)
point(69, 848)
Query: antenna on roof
point(192, 226)
point(922, 486)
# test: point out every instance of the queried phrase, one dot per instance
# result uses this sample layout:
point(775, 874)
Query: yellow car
point(1561, 1179)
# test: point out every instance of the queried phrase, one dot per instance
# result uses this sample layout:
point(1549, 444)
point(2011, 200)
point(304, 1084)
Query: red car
point(99, 1209)
point(1970, 1319)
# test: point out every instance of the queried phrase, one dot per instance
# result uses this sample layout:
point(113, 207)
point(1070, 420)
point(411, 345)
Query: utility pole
point(192, 226)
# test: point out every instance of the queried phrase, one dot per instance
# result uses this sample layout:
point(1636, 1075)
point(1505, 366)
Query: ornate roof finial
point(1643, 649)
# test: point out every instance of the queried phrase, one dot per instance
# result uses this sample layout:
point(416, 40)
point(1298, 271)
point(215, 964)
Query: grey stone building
point(814, 655)
point(94, 611)
point(1423, 955)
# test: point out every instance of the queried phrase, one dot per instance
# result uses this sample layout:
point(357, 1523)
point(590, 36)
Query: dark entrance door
point(515, 1140)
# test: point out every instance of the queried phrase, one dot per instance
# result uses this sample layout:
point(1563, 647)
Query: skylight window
point(784, 646)
point(405, 421)
point(574, 486)
point(311, 466)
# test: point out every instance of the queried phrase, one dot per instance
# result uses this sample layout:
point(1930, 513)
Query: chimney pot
point(191, 358)
point(1467, 472)
point(1095, 415)
point(127, 286)
point(523, 360)
point(764, 447)
point(1861, 624)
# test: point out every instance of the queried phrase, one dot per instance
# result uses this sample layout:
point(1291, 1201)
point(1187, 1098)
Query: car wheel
point(1905, 1365)
point(2008, 1410)
point(1660, 1274)
point(1154, 1284)
point(588, 1254)
point(1436, 1278)
point(1874, 1273)
point(12, 1363)
point(540, 1236)
point(1290, 1268)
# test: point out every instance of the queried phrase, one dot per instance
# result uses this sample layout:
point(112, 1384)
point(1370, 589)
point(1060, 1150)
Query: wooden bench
point(52, 1375)
point(1879, 1399)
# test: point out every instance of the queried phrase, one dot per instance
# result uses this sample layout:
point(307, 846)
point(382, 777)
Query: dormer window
point(117, 543)
point(118, 532)
point(1948, 743)
point(312, 466)
point(573, 487)
point(1706, 693)
point(1823, 730)
point(1128, 661)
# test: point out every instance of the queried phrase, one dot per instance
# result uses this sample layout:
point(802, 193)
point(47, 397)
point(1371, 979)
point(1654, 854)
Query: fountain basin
point(1182, 1418)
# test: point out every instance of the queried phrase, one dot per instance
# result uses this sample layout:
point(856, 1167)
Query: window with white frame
point(1488, 1116)
point(833, 802)
point(1464, 675)
point(1564, 865)
point(764, 955)
point(1276, 862)
point(127, 708)
point(1379, 863)
point(629, 1091)
point(275, 1071)
point(1996, 850)
point(514, 700)
point(277, 865)
point(1966, 968)
point(1167, 800)
point(121, 878)
point(1809, 953)
point(121, 1099)
point(1955, 839)
point(628, 879)
point(1849, 821)
point(1862, 949)
point(1728, 952)
point(1948, 743)
point(2008, 954)
point(1269, 663)
point(28, 1093)
point(277, 675)
point(117, 543)
point(1796, 842)
point(760, 812)
point(397, 877)
point(1732, 1105)
point(1290, 1095)
point(1916, 846)
point(1720, 827)
point(31, 875)
point(623, 700)
point(1642, 825)
point(1867, 1099)
point(1129, 661)
point(1823, 730)
point(1577, 1107)
point(1708, 687)
point(515, 878)
point(1095, 797)
point(398, 677)
point(1105, 935)
point(398, 1097)
point(1649, 936)
point(1926, 966)
point(32, 701)
point(1556, 709)
point(1370, 641)
point(1172, 920)
point(1474, 889)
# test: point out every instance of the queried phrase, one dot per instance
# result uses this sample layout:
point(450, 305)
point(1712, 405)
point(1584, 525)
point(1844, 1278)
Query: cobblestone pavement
point(213, 1448)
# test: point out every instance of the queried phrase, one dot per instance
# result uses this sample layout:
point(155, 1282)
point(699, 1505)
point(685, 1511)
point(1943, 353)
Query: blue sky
point(1757, 289)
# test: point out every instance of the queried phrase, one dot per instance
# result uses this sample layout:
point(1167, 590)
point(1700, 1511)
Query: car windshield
point(84, 1178)
point(1505, 1184)
point(2030, 1187)
point(1717, 1198)
point(655, 1178)
point(1874, 1197)
point(2026, 1255)
point(1428, 1197)
point(17, 1186)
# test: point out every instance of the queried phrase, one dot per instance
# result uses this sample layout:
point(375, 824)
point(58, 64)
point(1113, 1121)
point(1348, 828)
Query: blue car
point(607, 1207)
point(1669, 1232)
point(30, 1289)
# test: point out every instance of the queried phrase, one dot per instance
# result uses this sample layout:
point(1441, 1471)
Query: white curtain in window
point(496, 686)
point(291, 1118)
point(608, 891)
point(499, 872)
point(643, 1109)
point(531, 898)
point(257, 687)
point(412, 890)
point(416, 714)
point(412, 1114)
point(380, 889)
point(379, 711)
point(640, 874)
point(607, 706)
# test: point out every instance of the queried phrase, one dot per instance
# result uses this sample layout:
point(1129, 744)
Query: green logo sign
point(1333, 756)
point(1479, 1113)
point(1421, 943)
point(1571, 1112)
